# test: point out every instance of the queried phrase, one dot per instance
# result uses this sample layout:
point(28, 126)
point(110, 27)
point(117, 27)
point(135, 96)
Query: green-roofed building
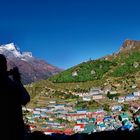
point(92, 120)
point(124, 116)
point(138, 120)
point(124, 122)
point(89, 128)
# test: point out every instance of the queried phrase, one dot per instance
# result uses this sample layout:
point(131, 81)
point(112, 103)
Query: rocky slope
point(130, 46)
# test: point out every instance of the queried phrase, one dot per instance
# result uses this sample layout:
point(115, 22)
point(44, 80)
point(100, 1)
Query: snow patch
point(10, 47)
point(27, 54)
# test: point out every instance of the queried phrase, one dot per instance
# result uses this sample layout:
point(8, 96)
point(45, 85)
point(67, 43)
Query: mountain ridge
point(32, 69)
point(121, 64)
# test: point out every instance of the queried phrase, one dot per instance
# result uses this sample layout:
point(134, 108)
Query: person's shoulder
point(10, 80)
point(12, 83)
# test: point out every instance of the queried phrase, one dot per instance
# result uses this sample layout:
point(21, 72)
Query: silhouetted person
point(12, 96)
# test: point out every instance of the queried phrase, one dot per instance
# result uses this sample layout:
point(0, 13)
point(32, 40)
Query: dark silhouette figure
point(12, 96)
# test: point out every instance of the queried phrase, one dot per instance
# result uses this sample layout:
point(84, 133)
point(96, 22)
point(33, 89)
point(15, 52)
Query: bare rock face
point(130, 45)
point(32, 69)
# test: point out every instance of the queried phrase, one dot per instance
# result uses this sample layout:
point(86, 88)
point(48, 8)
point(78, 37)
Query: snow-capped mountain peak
point(10, 50)
point(10, 47)
point(31, 68)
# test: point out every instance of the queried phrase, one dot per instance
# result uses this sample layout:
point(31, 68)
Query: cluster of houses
point(130, 97)
point(98, 94)
point(58, 117)
point(94, 94)
point(78, 121)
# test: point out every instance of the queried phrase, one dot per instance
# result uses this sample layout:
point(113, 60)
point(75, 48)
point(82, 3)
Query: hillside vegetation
point(127, 64)
point(98, 69)
point(87, 71)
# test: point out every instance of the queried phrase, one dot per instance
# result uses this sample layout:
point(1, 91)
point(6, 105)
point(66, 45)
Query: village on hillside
point(64, 117)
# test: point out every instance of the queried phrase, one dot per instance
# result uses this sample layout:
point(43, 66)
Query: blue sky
point(67, 32)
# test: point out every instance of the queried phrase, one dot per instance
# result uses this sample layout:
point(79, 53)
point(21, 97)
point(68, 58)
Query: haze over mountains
point(32, 69)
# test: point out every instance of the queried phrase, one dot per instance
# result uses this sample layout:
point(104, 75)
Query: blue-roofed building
point(128, 126)
point(117, 108)
point(81, 111)
point(107, 118)
point(129, 97)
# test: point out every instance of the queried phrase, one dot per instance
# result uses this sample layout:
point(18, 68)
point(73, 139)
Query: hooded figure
point(12, 96)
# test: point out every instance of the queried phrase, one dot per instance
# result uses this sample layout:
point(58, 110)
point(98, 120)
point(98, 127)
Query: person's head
point(3, 63)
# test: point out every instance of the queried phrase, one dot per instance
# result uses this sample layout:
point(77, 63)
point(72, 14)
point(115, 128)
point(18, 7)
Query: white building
point(137, 93)
point(121, 99)
point(74, 73)
point(59, 106)
point(86, 98)
point(78, 128)
point(36, 112)
point(97, 97)
point(113, 92)
point(95, 91)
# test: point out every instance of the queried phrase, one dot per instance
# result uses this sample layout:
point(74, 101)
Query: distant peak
point(129, 42)
point(14, 51)
point(129, 45)
point(10, 46)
